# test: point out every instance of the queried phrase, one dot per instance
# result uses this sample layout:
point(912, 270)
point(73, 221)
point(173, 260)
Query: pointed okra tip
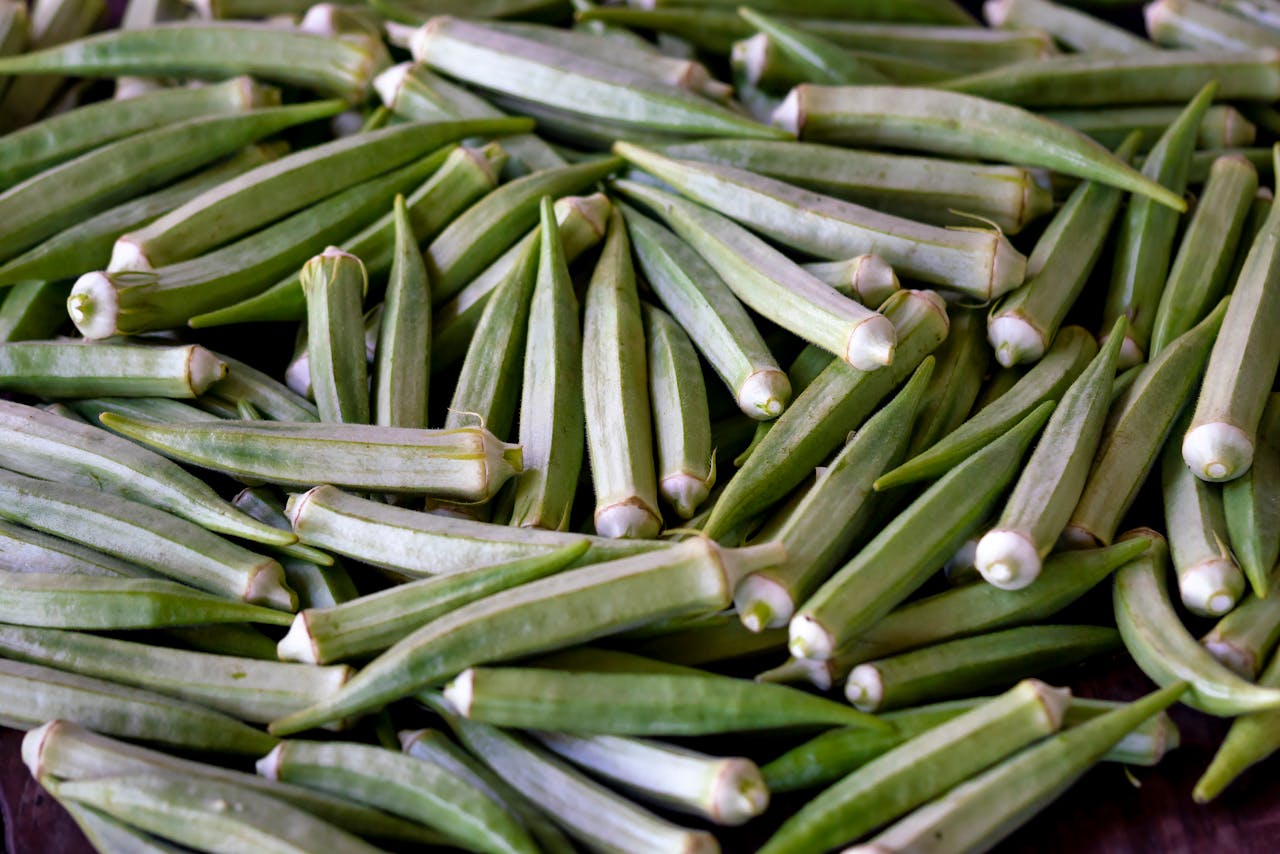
point(1217, 451)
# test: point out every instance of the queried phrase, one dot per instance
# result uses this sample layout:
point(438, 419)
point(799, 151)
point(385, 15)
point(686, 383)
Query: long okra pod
point(33, 310)
point(1221, 127)
point(404, 340)
point(1245, 638)
point(1251, 504)
point(25, 550)
point(1076, 30)
point(961, 363)
point(334, 283)
point(79, 369)
point(1252, 738)
point(1202, 26)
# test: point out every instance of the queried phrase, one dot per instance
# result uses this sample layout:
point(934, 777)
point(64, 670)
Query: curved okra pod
point(720, 327)
point(1246, 638)
point(980, 812)
point(615, 394)
point(1024, 323)
point(956, 124)
point(767, 281)
point(833, 513)
point(926, 189)
point(1136, 428)
point(1252, 738)
point(1220, 444)
point(867, 278)
point(57, 198)
point(1202, 26)
point(372, 623)
point(1167, 652)
point(403, 786)
point(552, 431)
point(146, 536)
point(335, 283)
point(922, 768)
point(1076, 30)
point(1208, 249)
point(1144, 245)
point(960, 364)
point(819, 420)
point(652, 704)
point(692, 577)
point(33, 694)
point(977, 263)
point(911, 547)
point(1251, 504)
point(1049, 379)
point(43, 445)
point(684, 458)
point(401, 365)
point(467, 464)
point(1010, 555)
point(342, 66)
point(974, 664)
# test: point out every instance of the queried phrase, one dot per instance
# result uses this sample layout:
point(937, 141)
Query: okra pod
point(334, 283)
point(960, 364)
point(1246, 637)
point(1251, 504)
point(1222, 126)
point(404, 340)
point(1075, 30)
point(79, 369)
point(711, 640)
point(819, 60)
point(111, 836)
point(33, 310)
point(1202, 26)
point(25, 550)
point(51, 23)
point(1252, 738)
point(274, 399)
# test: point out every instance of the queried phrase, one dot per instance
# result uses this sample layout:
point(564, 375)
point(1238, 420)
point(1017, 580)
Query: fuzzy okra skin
point(1246, 638)
point(692, 577)
point(401, 368)
point(1251, 504)
point(80, 369)
point(335, 283)
point(1252, 738)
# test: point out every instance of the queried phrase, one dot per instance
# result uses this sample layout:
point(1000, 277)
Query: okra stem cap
point(1217, 451)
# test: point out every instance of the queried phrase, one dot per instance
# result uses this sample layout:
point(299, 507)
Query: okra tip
point(1217, 451)
point(1211, 587)
point(764, 394)
point(631, 517)
point(1007, 559)
point(1015, 340)
point(872, 344)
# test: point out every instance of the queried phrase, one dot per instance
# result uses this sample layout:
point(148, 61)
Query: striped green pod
point(960, 364)
point(403, 786)
point(763, 64)
point(582, 221)
point(699, 300)
point(1048, 379)
point(1209, 579)
point(57, 198)
point(112, 836)
point(559, 78)
point(922, 768)
point(24, 550)
point(1136, 428)
point(1252, 738)
point(466, 175)
point(1220, 444)
point(1207, 251)
point(63, 750)
point(1144, 247)
point(692, 577)
point(479, 235)
point(54, 140)
point(334, 283)
point(769, 282)
point(973, 664)
point(1076, 30)
point(417, 544)
point(1203, 26)
point(372, 623)
point(401, 367)
point(684, 459)
point(33, 310)
point(466, 464)
point(254, 691)
point(1167, 652)
point(643, 704)
point(981, 264)
point(87, 244)
point(866, 278)
point(615, 392)
point(818, 59)
point(1222, 126)
point(1247, 636)
point(980, 812)
point(1251, 504)
point(704, 641)
point(160, 409)
point(833, 513)
point(43, 445)
point(1023, 324)
point(15, 26)
point(916, 543)
point(341, 66)
point(205, 814)
point(271, 397)
point(819, 420)
point(49, 24)
point(552, 431)
point(910, 11)
point(588, 811)
point(1010, 555)
point(148, 537)
point(956, 124)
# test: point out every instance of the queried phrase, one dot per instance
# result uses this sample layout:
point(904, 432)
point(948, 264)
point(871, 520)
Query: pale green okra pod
point(1251, 503)
point(401, 368)
point(1246, 637)
point(335, 283)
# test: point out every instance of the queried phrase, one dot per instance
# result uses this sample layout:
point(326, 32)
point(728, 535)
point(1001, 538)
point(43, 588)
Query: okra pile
point(460, 424)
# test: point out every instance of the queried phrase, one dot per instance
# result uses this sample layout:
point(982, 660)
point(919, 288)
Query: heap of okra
point(659, 371)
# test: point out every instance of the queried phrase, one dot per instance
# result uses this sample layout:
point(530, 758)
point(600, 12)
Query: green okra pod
point(1167, 652)
point(1252, 738)
point(957, 124)
point(401, 367)
point(693, 577)
point(334, 283)
point(711, 640)
point(51, 23)
point(33, 310)
point(960, 364)
point(700, 301)
point(1246, 637)
point(684, 458)
point(111, 836)
point(161, 409)
point(274, 399)
point(33, 694)
point(973, 664)
point(1023, 324)
point(1010, 555)
point(1049, 379)
point(867, 278)
point(915, 545)
point(819, 420)
point(1220, 444)
point(1251, 504)
point(25, 550)
point(923, 767)
point(375, 622)
point(1199, 273)
point(81, 369)
point(818, 59)
point(1222, 126)
point(1075, 30)
point(1203, 26)
point(403, 786)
